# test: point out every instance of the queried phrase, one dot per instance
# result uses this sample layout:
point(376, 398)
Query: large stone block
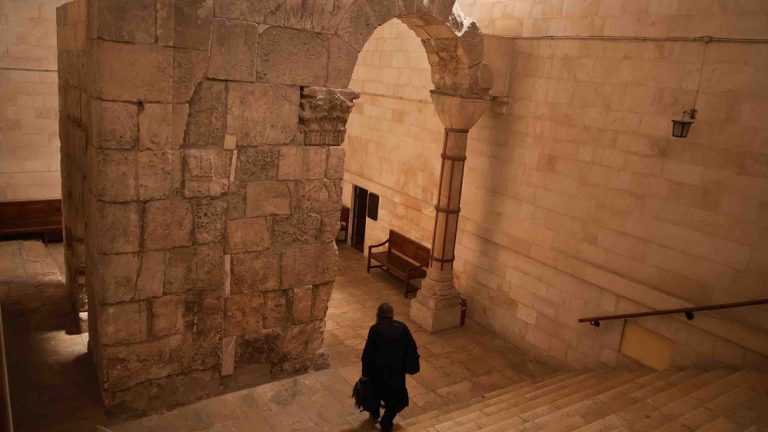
point(256, 163)
point(206, 124)
point(300, 162)
point(167, 315)
point(233, 50)
point(115, 125)
point(137, 363)
point(210, 220)
point(329, 227)
point(307, 265)
point(295, 342)
point(167, 224)
point(206, 172)
point(275, 309)
point(122, 323)
point(321, 295)
point(114, 175)
point(154, 168)
point(301, 304)
point(117, 277)
point(156, 127)
point(189, 68)
point(261, 114)
point(117, 227)
point(151, 275)
point(271, 12)
point(248, 235)
point(335, 168)
point(262, 347)
point(316, 15)
point(296, 57)
point(209, 267)
point(131, 72)
point(267, 198)
point(357, 25)
point(244, 314)
point(180, 270)
point(185, 24)
point(253, 272)
point(319, 196)
point(341, 63)
point(298, 228)
point(126, 20)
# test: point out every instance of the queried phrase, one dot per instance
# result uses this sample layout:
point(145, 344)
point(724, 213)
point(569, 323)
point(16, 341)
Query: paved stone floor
point(53, 386)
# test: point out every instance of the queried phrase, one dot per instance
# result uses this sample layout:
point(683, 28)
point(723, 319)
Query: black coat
point(388, 345)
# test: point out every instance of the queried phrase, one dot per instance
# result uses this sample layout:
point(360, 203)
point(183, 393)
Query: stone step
point(495, 397)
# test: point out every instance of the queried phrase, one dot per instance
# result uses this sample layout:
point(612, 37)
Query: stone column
point(436, 306)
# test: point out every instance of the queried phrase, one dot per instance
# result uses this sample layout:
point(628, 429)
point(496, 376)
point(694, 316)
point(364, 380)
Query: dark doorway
point(359, 208)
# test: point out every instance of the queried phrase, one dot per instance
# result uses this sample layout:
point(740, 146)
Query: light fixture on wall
point(680, 128)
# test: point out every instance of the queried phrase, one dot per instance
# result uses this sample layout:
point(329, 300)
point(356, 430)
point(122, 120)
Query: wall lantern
point(680, 128)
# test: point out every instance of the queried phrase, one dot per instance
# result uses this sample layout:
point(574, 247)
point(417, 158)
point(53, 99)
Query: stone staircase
point(719, 400)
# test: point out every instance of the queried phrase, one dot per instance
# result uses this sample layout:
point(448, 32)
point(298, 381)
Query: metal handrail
point(688, 311)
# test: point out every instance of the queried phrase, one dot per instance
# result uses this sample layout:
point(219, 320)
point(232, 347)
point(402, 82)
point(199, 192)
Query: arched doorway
point(212, 167)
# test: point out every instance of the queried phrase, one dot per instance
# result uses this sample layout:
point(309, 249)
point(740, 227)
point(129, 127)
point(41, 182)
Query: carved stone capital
point(324, 114)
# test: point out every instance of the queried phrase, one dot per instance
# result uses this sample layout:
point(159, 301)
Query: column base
point(436, 316)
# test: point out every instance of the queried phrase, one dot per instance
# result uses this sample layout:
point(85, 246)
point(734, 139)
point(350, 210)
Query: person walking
point(390, 352)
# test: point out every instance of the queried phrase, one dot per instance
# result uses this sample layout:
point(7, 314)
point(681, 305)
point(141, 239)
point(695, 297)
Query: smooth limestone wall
point(578, 201)
point(29, 139)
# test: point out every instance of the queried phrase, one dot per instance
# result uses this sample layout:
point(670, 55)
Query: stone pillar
point(436, 306)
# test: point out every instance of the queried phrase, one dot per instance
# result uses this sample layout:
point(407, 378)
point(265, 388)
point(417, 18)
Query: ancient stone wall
point(213, 180)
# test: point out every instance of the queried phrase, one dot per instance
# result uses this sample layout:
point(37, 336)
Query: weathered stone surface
point(131, 72)
point(295, 341)
point(329, 227)
point(156, 127)
point(300, 162)
point(133, 364)
point(310, 264)
point(167, 223)
point(260, 114)
point(321, 294)
point(335, 168)
point(261, 347)
point(256, 163)
point(290, 56)
point(233, 50)
point(301, 304)
point(117, 227)
point(114, 175)
point(207, 118)
point(123, 323)
point(319, 196)
point(189, 68)
point(228, 350)
point(210, 220)
point(357, 25)
point(126, 20)
point(172, 389)
point(115, 125)
point(324, 114)
point(297, 228)
point(180, 270)
point(206, 172)
point(244, 314)
point(185, 24)
point(117, 277)
point(317, 15)
point(154, 169)
point(255, 272)
point(236, 201)
point(151, 275)
point(275, 309)
point(167, 315)
point(267, 198)
point(180, 117)
point(209, 266)
point(341, 63)
point(384, 10)
point(270, 12)
point(248, 235)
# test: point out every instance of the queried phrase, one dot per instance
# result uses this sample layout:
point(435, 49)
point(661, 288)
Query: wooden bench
point(404, 258)
point(31, 217)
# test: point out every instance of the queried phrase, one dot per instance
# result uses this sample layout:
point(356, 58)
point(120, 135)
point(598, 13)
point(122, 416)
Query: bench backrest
point(408, 248)
point(30, 210)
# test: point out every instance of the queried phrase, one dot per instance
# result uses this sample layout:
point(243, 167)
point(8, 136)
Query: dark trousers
point(387, 421)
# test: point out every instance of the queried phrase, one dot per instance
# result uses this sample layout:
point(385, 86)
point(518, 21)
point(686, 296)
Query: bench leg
point(368, 268)
point(407, 283)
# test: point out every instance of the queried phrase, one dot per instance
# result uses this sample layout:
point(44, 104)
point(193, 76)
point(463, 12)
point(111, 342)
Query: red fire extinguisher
point(463, 305)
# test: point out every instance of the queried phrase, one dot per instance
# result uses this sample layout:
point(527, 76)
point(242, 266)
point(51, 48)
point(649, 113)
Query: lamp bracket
point(690, 113)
